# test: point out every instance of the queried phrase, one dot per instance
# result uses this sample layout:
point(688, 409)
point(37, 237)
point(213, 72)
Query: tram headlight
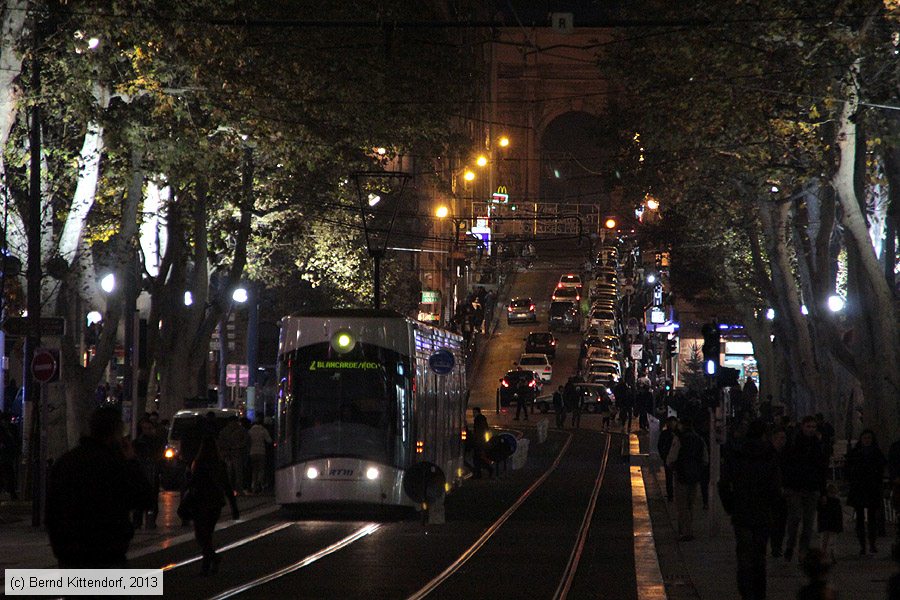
point(372, 473)
point(343, 341)
point(312, 473)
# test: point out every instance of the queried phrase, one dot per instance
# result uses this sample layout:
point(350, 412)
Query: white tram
point(364, 394)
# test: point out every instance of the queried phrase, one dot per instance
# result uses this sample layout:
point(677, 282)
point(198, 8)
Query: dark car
point(541, 342)
point(174, 465)
point(520, 309)
point(516, 382)
point(564, 315)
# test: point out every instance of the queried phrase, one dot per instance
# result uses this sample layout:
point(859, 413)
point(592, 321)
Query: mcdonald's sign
point(501, 196)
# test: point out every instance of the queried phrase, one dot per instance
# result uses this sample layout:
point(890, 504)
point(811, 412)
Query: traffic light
point(712, 348)
point(672, 346)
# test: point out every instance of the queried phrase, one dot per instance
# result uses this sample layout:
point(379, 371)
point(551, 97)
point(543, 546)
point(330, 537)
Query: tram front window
point(344, 406)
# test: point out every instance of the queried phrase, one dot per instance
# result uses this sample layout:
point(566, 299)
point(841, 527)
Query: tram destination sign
point(50, 326)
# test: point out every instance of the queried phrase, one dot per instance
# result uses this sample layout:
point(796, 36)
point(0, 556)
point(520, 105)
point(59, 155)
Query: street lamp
point(379, 194)
point(108, 283)
point(836, 303)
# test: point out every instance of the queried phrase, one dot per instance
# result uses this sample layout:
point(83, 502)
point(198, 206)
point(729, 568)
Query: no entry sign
point(45, 365)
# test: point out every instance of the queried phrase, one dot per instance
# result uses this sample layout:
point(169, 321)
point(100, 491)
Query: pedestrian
point(831, 519)
point(688, 458)
point(149, 447)
point(209, 489)
point(481, 429)
point(779, 511)
point(749, 488)
point(523, 395)
point(865, 469)
point(91, 492)
point(559, 407)
point(575, 405)
point(643, 403)
point(624, 403)
point(260, 442)
point(663, 446)
point(233, 443)
point(605, 409)
point(804, 482)
point(9, 453)
point(826, 434)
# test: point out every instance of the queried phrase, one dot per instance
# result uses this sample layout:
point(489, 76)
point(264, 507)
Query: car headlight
point(169, 453)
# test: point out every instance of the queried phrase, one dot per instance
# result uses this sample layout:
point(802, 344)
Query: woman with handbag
point(206, 495)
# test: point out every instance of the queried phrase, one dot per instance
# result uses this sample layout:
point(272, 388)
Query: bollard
point(542, 426)
point(435, 511)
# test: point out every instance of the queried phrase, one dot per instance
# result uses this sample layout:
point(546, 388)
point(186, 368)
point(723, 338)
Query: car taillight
point(553, 343)
point(504, 383)
point(559, 285)
point(547, 369)
point(531, 307)
point(531, 383)
point(510, 309)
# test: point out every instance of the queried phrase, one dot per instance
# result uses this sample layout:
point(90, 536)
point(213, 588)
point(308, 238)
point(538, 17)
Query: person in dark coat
point(559, 407)
point(779, 510)
point(624, 402)
point(865, 469)
point(9, 455)
point(663, 445)
point(91, 492)
point(688, 459)
point(211, 489)
point(523, 396)
point(749, 488)
point(149, 447)
point(480, 443)
point(805, 467)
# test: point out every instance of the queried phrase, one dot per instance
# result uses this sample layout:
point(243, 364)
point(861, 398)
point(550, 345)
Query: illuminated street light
point(108, 283)
point(374, 199)
point(770, 314)
point(94, 317)
point(836, 303)
point(481, 160)
point(504, 142)
point(651, 278)
point(652, 203)
point(442, 212)
point(610, 223)
point(804, 310)
point(93, 43)
point(188, 298)
point(240, 295)
point(469, 175)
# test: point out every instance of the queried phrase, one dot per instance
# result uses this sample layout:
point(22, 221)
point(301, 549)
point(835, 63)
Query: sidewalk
point(23, 546)
point(705, 567)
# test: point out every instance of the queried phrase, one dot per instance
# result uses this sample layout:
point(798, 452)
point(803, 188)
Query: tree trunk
point(875, 319)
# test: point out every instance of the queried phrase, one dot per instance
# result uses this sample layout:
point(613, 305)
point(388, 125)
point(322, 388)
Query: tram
point(363, 395)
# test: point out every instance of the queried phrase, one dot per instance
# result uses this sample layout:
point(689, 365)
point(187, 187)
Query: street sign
point(45, 365)
point(50, 326)
point(633, 326)
point(637, 351)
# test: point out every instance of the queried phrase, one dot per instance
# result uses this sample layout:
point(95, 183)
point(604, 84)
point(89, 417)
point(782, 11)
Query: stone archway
point(541, 82)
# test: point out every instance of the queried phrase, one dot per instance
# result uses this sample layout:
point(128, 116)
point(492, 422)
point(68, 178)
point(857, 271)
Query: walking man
point(260, 442)
point(804, 482)
point(688, 459)
point(233, 443)
point(91, 492)
point(664, 445)
point(749, 489)
point(559, 407)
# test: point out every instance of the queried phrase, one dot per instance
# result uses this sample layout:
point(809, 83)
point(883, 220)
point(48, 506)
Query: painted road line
point(649, 578)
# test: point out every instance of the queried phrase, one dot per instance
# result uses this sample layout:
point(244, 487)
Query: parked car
point(592, 394)
point(539, 363)
point(542, 342)
point(520, 309)
point(516, 382)
point(564, 315)
point(174, 464)
point(566, 293)
point(602, 318)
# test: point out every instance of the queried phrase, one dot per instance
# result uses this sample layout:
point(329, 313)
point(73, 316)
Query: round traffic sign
point(44, 367)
